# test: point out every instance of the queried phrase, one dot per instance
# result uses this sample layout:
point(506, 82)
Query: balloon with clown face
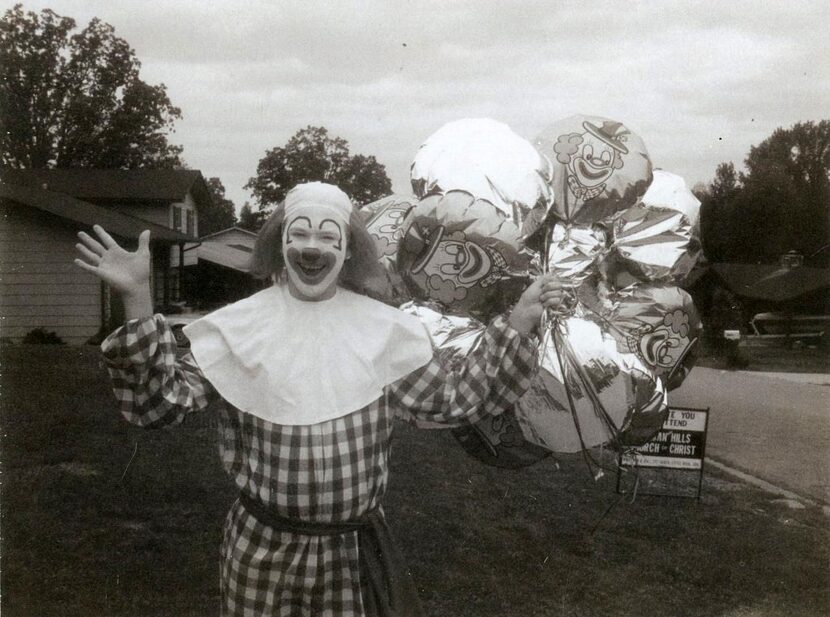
point(599, 167)
point(385, 220)
point(462, 253)
point(315, 239)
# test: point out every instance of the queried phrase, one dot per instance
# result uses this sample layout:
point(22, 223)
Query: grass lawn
point(100, 518)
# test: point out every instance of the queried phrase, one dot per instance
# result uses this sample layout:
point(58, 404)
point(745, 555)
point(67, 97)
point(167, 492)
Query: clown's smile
point(476, 258)
point(311, 265)
point(590, 174)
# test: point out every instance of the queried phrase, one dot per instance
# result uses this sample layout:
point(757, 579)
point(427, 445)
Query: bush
point(39, 336)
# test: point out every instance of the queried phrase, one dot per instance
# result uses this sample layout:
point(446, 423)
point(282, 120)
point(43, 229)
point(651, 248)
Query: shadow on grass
point(100, 518)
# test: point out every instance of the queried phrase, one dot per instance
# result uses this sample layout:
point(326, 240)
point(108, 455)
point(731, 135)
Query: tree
point(716, 213)
point(780, 203)
point(221, 214)
point(312, 155)
point(250, 220)
point(76, 100)
point(787, 189)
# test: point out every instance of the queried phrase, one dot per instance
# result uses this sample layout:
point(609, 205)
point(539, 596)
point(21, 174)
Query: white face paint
point(314, 249)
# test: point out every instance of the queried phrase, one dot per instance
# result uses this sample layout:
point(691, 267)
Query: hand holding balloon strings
point(546, 293)
point(128, 273)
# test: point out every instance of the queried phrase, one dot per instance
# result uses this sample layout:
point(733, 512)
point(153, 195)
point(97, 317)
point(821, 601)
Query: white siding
point(188, 205)
point(40, 287)
point(235, 236)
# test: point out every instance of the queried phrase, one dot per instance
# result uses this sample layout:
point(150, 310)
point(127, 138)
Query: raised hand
point(127, 273)
point(546, 292)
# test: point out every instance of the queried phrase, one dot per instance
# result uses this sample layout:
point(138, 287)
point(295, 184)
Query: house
point(789, 289)
point(221, 272)
point(42, 211)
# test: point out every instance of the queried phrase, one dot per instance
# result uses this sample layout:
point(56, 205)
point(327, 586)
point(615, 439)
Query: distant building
point(220, 274)
point(42, 211)
point(788, 288)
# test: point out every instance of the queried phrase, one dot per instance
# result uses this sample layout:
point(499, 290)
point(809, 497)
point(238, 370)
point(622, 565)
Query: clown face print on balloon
point(592, 156)
point(599, 167)
point(463, 253)
point(314, 249)
point(453, 264)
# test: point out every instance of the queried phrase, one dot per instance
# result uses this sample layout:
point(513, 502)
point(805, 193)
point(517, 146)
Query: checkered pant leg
point(270, 573)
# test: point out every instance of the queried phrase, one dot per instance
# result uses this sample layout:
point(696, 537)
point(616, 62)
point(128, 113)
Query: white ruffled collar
point(291, 361)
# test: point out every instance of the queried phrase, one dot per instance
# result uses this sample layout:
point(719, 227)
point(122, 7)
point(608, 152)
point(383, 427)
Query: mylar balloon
point(573, 252)
point(658, 324)
point(658, 238)
point(599, 167)
point(384, 222)
point(463, 253)
point(494, 440)
point(453, 337)
point(588, 394)
point(499, 441)
point(489, 161)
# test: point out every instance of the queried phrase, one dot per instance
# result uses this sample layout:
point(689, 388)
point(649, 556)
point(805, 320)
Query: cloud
point(700, 82)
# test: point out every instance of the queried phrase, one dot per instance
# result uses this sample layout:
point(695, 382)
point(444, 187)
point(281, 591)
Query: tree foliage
point(221, 214)
point(251, 219)
point(781, 202)
point(311, 154)
point(76, 100)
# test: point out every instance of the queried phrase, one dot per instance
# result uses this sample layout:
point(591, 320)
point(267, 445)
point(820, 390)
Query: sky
point(699, 82)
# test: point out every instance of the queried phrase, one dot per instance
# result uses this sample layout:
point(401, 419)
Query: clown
point(308, 375)
point(592, 157)
point(452, 264)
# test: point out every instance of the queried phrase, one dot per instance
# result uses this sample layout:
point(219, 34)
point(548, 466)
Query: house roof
point(227, 249)
point(227, 230)
point(89, 214)
point(234, 256)
point(772, 282)
point(114, 184)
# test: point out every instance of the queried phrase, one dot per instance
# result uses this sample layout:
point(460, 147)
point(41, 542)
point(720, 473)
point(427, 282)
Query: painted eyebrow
point(339, 244)
point(292, 224)
point(298, 219)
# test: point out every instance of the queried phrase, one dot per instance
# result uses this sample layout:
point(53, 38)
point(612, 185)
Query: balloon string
point(551, 326)
point(599, 408)
point(592, 464)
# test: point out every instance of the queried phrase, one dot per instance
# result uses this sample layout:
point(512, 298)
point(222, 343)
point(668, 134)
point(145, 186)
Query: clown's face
point(314, 250)
point(593, 164)
point(464, 263)
point(662, 348)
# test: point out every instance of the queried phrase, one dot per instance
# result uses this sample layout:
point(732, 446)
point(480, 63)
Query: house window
point(177, 218)
point(191, 223)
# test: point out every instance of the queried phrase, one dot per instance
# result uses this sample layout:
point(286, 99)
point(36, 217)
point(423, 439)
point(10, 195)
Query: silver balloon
point(453, 337)
point(573, 252)
point(384, 220)
point(587, 393)
point(658, 238)
point(600, 167)
point(464, 253)
point(489, 161)
point(658, 324)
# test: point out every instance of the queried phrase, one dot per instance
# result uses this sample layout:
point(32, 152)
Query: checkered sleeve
point(492, 378)
point(153, 387)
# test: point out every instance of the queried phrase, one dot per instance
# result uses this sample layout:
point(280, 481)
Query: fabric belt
point(388, 589)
